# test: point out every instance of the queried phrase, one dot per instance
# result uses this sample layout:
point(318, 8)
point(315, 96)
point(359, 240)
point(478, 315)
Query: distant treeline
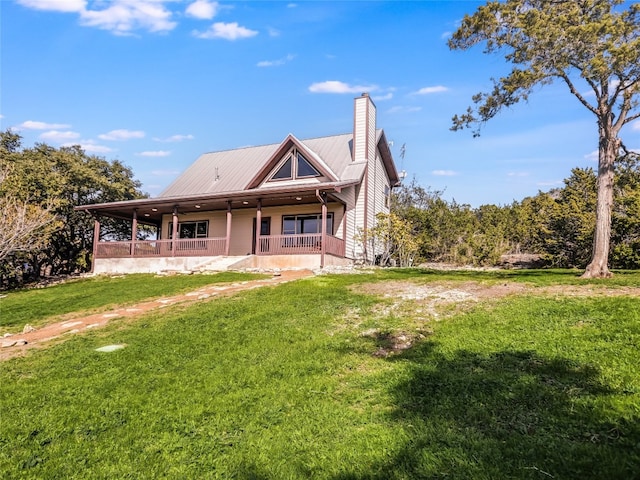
point(555, 228)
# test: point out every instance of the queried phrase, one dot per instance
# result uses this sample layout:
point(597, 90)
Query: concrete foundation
point(189, 264)
point(285, 262)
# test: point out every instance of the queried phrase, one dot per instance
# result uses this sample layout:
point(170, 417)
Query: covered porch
point(303, 244)
point(230, 232)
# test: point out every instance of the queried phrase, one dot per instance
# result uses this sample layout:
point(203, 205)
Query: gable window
point(285, 172)
point(190, 229)
point(295, 166)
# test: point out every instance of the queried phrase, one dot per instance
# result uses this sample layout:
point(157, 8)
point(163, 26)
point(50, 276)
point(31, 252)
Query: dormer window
point(292, 169)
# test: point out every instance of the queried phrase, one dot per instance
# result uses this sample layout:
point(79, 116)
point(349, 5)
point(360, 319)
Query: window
point(190, 229)
point(290, 170)
point(305, 169)
point(285, 171)
point(299, 224)
point(387, 196)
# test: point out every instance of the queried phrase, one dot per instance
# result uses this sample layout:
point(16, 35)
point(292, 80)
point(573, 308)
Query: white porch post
point(229, 215)
point(96, 239)
point(134, 232)
point(258, 226)
point(174, 232)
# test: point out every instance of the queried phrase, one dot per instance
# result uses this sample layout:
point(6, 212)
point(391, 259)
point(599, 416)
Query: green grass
point(34, 306)
point(281, 383)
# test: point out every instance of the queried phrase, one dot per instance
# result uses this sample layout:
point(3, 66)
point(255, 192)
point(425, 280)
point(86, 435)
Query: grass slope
point(33, 306)
point(281, 383)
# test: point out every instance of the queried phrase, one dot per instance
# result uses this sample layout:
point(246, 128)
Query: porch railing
point(185, 247)
point(299, 244)
point(209, 247)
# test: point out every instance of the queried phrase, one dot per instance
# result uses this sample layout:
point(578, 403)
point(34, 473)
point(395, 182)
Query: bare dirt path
point(18, 344)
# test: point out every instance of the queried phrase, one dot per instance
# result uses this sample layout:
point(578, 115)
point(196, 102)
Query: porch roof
point(151, 210)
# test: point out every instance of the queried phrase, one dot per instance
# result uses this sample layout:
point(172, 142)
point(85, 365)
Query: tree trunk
point(608, 150)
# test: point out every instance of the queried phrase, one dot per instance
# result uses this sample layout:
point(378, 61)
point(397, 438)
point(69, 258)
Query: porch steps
point(218, 264)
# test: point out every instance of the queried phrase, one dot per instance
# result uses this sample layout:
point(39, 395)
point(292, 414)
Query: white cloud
point(275, 63)
point(55, 5)
point(429, 90)
point(58, 136)
point(518, 174)
point(551, 183)
point(33, 125)
point(387, 96)
point(292, 5)
point(334, 86)
point(401, 109)
point(120, 17)
point(273, 32)
point(635, 126)
point(226, 31)
point(124, 16)
point(443, 173)
point(592, 156)
point(174, 138)
point(121, 135)
point(202, 9)
point(157, 153)
point(89, 146)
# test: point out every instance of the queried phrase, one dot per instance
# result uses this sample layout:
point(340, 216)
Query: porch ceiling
point(150, 211)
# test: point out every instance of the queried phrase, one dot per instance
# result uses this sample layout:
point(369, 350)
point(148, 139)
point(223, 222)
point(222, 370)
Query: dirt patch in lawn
point(442, 293)
point(17, 344)
point(424, 303)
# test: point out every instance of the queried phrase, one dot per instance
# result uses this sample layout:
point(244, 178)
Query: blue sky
point(156, 83)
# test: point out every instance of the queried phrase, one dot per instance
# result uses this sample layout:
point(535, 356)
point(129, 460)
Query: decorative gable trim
point(279, 155)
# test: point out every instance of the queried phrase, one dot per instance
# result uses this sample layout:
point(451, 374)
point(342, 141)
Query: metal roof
point(219, 180)
point(232, 170)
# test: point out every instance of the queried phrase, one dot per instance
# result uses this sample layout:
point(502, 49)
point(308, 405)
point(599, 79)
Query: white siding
point(360, 130)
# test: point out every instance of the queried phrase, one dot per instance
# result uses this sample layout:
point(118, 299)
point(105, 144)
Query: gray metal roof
point(232, 170)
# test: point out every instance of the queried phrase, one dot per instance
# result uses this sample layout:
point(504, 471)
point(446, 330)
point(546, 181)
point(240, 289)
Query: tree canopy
point(592, 46)
point(49, 181)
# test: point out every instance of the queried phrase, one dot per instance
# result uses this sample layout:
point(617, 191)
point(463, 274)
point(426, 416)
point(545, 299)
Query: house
point(297, 203)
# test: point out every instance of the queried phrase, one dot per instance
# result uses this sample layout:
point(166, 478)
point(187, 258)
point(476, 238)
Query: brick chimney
point(364, 128)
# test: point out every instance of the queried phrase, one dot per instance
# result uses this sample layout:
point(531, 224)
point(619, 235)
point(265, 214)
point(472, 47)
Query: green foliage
point(556, 226)
point(572, 220)
point(592, 46)
point(626, 213)
point(393, 237)
point(63, 178)
point(282, 383)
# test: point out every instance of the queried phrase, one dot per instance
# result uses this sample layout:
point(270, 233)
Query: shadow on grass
point(512, 414)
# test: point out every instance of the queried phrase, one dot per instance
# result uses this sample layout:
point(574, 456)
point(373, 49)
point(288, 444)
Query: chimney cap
point(365, 94)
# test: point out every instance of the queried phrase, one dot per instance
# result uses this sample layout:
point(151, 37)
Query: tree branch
point(577, 94)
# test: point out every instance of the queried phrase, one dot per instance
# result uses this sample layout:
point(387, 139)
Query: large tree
point(593, 46)
point(55, 180)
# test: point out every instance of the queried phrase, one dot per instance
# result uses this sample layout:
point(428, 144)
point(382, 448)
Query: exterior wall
point(378, 180)
point(242, 222)
point(289, 261)
point(360, 129)
point(145, 265)
point(217, 222)
point(369, 202)
point(357, 222)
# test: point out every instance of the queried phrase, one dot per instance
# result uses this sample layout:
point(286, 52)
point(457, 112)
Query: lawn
point(34, 306)
point(325, 378)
